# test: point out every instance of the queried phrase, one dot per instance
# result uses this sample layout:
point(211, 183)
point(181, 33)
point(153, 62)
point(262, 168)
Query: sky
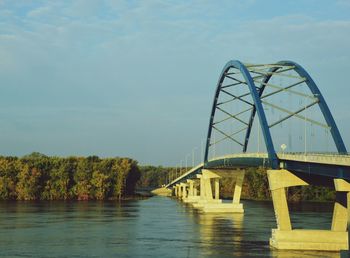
point(137, 78)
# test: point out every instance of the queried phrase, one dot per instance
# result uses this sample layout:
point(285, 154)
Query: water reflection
point(155, 227)
point(221, 234)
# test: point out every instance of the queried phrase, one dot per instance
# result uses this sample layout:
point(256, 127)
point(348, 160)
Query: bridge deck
point(326, 165)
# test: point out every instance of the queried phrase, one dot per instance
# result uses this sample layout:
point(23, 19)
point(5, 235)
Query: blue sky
point(136, 78)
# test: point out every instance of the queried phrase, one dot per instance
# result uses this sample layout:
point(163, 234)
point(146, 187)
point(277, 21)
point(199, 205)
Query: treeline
point(39, 177)
point(153, 177)
point(255, 185)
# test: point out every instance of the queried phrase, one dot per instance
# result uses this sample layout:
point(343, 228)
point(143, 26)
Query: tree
point(28, 186)
point(121, 169)
point(82, 179)
point(9, 168)
point(100, 185)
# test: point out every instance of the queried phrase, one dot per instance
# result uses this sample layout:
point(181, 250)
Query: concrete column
point(190, 190)
point(201, 187)
point(340, 212)
point(341, 208)
point(208, 175)
point(238, 187)
point(278, 181)
point(184, 191)
point(281, 209)
point(175, 187)
point(195, 191)
point(217, 188)
point(179, 191)
point(208, 190)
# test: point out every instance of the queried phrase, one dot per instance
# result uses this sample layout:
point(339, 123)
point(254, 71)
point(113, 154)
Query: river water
point(154, 227)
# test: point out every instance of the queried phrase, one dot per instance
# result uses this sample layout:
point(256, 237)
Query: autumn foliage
point(39, 177)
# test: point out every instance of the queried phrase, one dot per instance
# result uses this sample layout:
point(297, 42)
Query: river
point(154, 227)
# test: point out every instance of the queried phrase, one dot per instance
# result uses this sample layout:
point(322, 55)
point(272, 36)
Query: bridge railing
point(184, 175)
point(325, 158)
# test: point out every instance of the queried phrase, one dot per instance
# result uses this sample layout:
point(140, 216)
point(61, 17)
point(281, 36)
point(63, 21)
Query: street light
point(202, 151)
point(283, 147)
point(193, 156)
point(180, 167)
point(186, 159)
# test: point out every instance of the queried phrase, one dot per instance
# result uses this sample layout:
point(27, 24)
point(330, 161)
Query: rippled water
point(155, 227)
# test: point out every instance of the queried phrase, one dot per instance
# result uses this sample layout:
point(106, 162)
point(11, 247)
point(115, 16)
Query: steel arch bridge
point(243, 93)
point(255, 81)
point(257, 85)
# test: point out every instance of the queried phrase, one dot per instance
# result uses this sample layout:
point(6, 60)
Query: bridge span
point(244, 96)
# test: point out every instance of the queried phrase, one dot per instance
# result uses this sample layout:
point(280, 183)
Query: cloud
point(155, 62)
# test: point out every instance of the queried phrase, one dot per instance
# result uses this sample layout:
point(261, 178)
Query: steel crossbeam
point(280, 89)
point(238, 97)
point(228, 136)
point(230, 117)
point(239, 131)
point(296, 113)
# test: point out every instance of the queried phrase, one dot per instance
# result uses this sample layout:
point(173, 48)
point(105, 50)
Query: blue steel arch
point(257, 104)
point(338, 140)
point(257, 108)
point(339, 143)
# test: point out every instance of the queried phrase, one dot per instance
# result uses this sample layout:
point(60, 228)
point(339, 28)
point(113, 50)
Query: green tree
point(28, 186)
point(100, 185)
point(121, 169)
point(9, 168)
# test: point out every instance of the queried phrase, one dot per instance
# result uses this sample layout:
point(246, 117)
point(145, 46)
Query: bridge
point(257, 107)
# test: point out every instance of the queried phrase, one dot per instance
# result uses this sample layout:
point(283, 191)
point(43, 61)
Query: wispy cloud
point(148, 59)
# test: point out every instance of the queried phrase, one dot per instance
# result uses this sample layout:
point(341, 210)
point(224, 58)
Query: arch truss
point(244, 92)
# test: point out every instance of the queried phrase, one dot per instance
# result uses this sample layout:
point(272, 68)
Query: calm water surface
point(155, 227)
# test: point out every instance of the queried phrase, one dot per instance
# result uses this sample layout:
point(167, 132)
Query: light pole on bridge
point(193, 156)
point(180, 168)
point(186, 159)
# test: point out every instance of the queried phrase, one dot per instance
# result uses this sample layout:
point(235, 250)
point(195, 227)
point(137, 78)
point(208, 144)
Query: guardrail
point(323, 158)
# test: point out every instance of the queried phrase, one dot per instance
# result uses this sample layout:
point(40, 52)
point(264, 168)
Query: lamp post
point(180, 167)
point(186, 159)
point(193, 156)
point(202, 151)
point(283, 147)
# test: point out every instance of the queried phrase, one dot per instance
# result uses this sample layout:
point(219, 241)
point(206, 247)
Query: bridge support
point(284, 237)
point(175, 190)
point(214, 203)
point(179, 191)
point(205, 192)
point(192, 192)
point(183, 187)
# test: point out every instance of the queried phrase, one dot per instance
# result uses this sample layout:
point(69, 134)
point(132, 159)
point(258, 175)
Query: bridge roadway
point(328, 166)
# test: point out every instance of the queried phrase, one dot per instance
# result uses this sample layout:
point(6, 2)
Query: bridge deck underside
point(310, 168)
point(323, 173)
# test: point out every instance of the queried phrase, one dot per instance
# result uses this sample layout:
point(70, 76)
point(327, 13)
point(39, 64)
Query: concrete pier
point(235, 206)
point(211, 203)
point(285, 237)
